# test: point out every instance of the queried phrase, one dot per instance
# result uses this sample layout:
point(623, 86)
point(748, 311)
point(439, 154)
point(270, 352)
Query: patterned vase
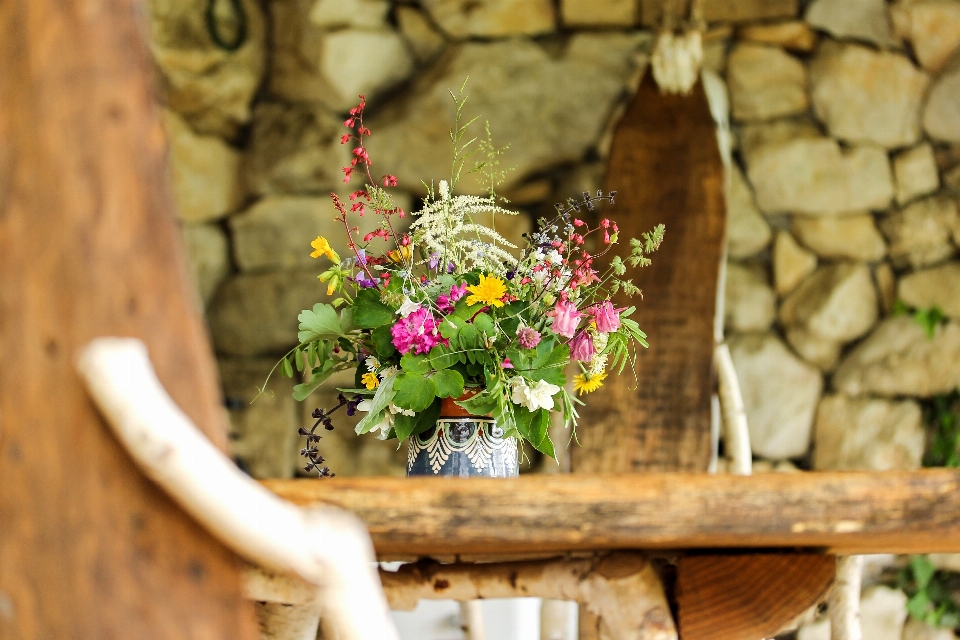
point(462, 445)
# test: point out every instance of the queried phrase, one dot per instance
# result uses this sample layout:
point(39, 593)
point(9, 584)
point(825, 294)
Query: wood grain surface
point(836, 512)
point(89, 247)
point(737, 597)
point(665, 167)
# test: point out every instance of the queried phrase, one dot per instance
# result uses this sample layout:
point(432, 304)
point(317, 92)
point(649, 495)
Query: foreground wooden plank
point(89, 548)
point(842, 513)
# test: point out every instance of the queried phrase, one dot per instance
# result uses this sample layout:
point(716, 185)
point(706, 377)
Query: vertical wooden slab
point(666, 168)
point(89, 247)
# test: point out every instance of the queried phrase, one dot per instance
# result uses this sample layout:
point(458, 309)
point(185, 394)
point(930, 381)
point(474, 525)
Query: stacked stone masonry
point(842, 198)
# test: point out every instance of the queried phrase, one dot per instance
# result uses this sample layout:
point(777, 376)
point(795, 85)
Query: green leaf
point(287, 368)
point(383, 342)
point(442, 358)
point(918, 605)
point(470, 337)
point(510, 326)
point(923, 570)
point(319, 323)
point(414, 364)
point(406, 426)
point(346, 320)
point(449, 384)
point(369, 312)
point(533, 428)
point(301, 391)
point(381, 400)
point(481, 404)
point(462, 311)
point(414, 392)
point(484, 324)
point(450, 327)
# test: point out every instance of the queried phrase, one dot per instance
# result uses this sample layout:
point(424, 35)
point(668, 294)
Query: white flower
point(554, 257)
point(541, 276)
point(372, 363)
point(394, 410)
point(444, 190)
point(384, 425)
point(539, 396)
point(407, 307)
point(539, 255)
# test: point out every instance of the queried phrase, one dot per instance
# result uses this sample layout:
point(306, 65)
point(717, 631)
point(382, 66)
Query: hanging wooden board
point(665, 167)
point(89, 247)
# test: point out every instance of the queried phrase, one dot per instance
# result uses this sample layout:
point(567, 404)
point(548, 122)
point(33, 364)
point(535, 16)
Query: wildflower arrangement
point(446, 310)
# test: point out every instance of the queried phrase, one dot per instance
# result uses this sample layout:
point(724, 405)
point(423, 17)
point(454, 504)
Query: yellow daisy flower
point(490, 291)
point(322, 248)
point(588, 383)
point(370, 380)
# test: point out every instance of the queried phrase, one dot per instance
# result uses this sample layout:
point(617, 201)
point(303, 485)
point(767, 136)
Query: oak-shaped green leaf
point(321, 323)
point(449, 384)
point(369, 312)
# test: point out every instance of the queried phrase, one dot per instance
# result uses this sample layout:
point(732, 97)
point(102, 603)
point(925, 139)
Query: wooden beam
point(89, 246)
point(837, 512)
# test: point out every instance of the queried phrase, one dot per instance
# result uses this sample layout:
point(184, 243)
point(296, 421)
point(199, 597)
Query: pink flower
point(506, 364)
point(445, 302)
point(606, 317)
point(565, 318)
point(390, 181)
point(528, 337)
point(418, 332)
point(581, 347)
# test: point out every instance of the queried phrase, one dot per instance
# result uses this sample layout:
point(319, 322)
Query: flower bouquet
point(461, 340)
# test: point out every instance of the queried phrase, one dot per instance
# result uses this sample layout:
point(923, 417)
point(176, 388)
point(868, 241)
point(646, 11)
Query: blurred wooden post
point(89, 246)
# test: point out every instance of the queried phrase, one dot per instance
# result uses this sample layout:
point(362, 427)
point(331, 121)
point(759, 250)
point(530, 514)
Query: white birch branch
point(622, 589)
point(471, 620)
point(325, 546)
point(845, 599)
point(736, 434)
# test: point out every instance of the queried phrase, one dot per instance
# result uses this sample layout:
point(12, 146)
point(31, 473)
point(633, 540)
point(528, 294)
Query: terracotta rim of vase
point(450, 409)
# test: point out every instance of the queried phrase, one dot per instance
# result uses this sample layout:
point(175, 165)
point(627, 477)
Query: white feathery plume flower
point(445, 226)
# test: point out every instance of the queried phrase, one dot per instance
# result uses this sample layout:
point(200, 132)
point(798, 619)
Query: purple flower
point(365, 282)
point(528, 337)
point(565, 318)
point(606, 317)
point(418, 332)
point(362, 256)
point(434, 260)
point(451, 267)
point(581, 347)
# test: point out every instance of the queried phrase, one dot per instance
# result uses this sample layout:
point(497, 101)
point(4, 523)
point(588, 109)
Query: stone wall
point(845, 121)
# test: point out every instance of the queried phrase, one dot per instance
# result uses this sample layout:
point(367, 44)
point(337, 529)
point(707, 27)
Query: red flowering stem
point(353, 245)
point(366, 164)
